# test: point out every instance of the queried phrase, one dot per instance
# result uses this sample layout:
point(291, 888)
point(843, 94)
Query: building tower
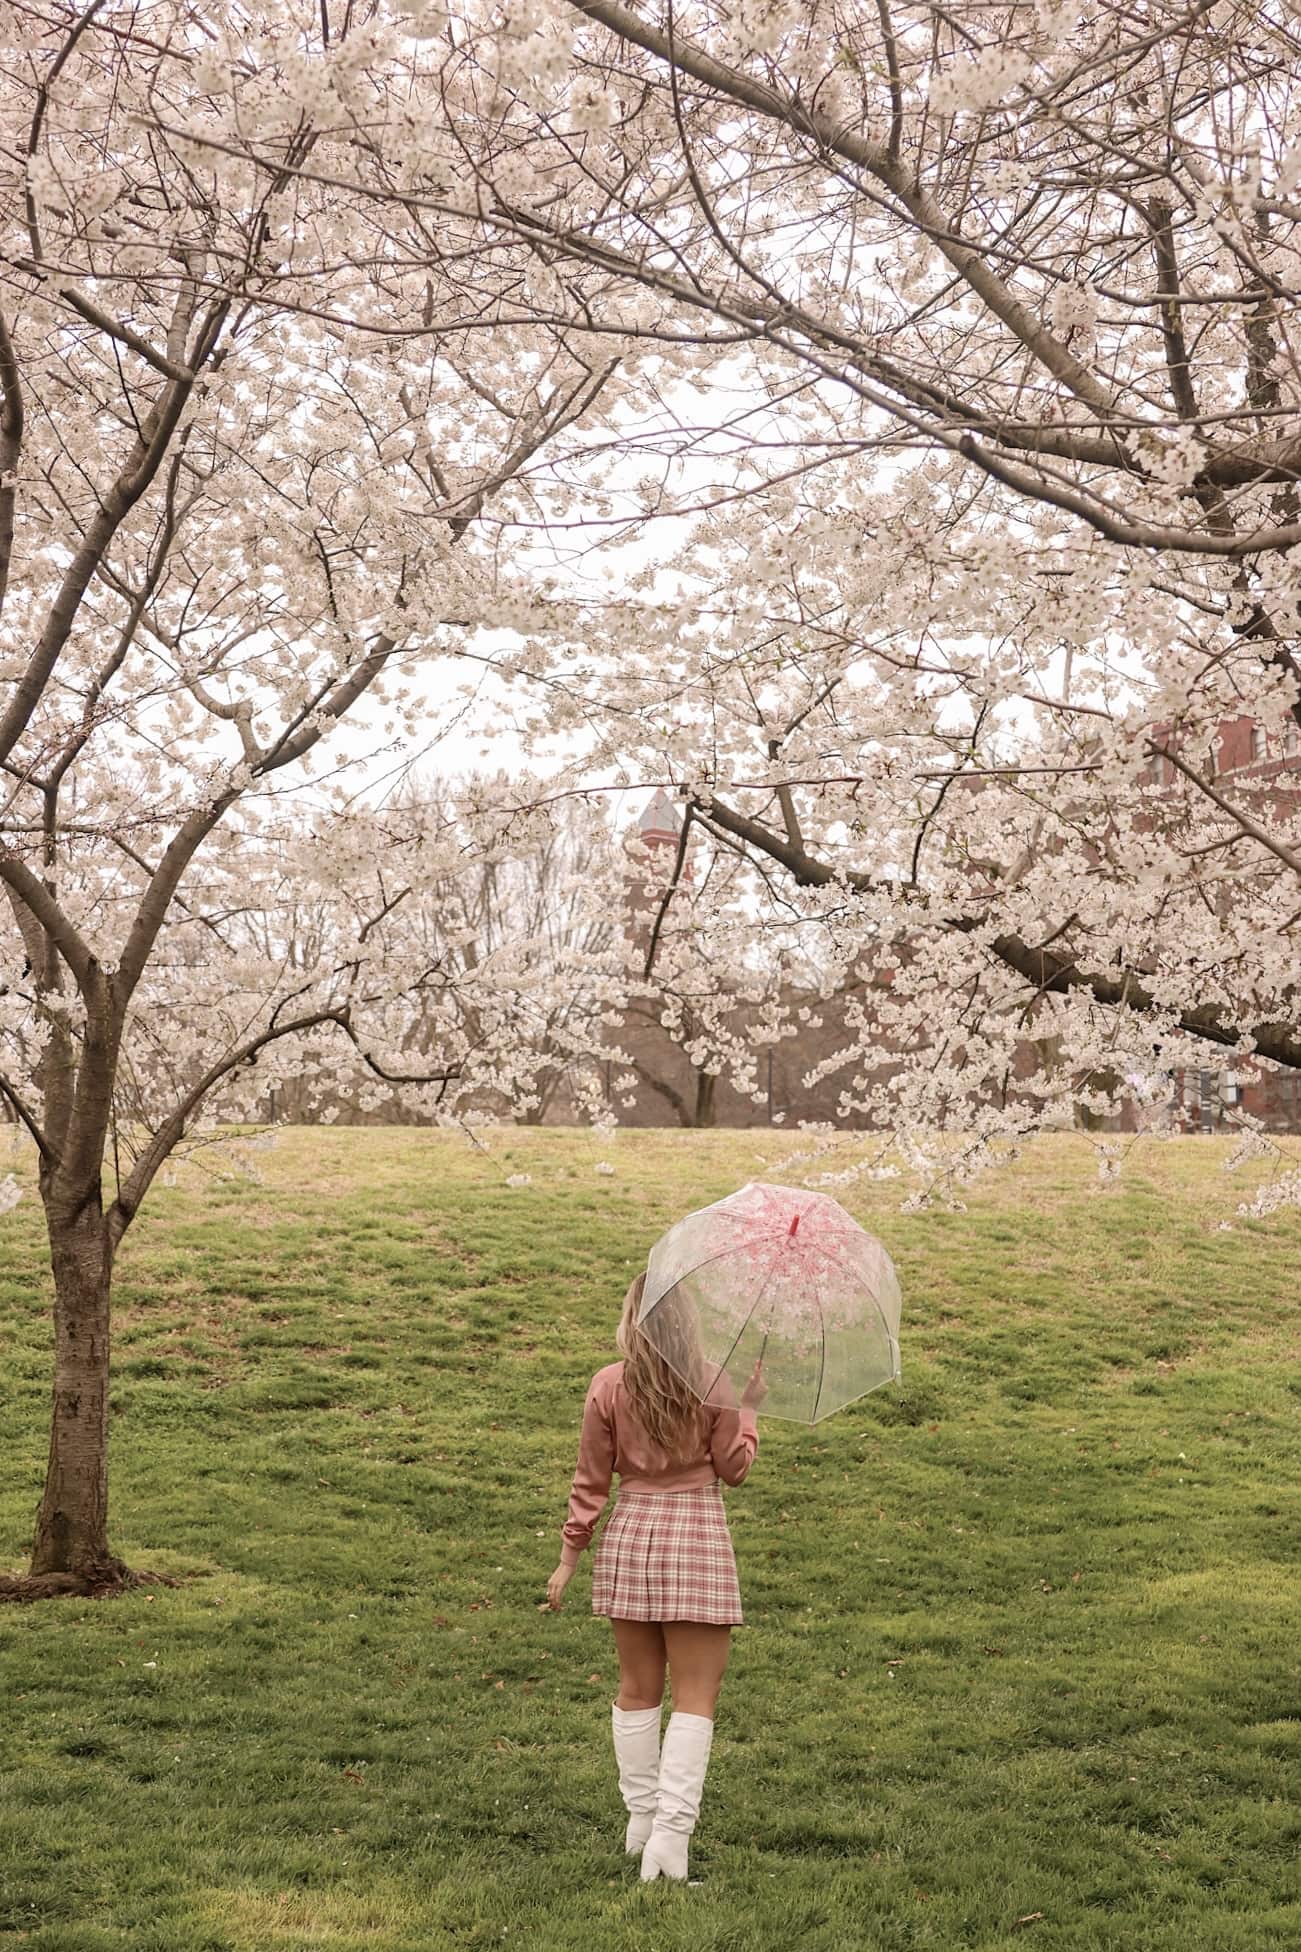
point(651, 844)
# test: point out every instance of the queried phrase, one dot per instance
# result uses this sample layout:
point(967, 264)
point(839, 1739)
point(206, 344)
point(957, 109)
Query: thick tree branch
point(103, 678)
point(156, 900)
point(1172, 326)
point(115, 329)
point(190, 836)
point(64, 55)
point(443, 1077)
point(11, 442)
point(36, 897)
point(895, 144)
point(1048, 973)
point(1131, 535)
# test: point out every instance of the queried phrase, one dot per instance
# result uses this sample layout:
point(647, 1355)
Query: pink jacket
point(613, 1440)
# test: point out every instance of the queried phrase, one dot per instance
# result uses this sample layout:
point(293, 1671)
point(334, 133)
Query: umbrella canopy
point(781, 1274)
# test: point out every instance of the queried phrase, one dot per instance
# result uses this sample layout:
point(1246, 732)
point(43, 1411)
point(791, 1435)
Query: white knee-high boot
point(684, 1759)
point(637, 1752)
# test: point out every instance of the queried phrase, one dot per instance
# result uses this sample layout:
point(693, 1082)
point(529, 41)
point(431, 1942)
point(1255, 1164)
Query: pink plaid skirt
point(667, 1555)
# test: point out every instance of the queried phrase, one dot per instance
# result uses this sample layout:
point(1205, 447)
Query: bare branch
point(28, 1118)
point(669, 892)
point(147, 455)
point(1243, 820)
point(127, 1203)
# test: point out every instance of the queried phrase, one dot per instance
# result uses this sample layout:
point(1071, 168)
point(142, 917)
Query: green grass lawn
point(1020, 1667)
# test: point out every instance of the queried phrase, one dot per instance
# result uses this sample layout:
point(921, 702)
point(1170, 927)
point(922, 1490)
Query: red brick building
point(1243, 748)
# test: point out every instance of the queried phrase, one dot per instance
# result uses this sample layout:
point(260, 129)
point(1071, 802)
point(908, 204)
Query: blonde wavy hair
point(669, 1410)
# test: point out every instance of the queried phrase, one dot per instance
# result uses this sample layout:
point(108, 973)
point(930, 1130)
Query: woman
point(664, 1572)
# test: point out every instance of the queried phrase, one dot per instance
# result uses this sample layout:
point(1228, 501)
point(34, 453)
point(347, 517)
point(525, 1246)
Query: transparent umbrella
point(778, 1274)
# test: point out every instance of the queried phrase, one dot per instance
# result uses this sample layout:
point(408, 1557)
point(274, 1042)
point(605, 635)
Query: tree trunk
point(72, 1525)
point(705, 1082)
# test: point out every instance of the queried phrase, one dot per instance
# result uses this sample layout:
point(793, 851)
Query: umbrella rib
point(890, 1337)
point(740, 1332)
point(822, 1362)
point(706, 1260)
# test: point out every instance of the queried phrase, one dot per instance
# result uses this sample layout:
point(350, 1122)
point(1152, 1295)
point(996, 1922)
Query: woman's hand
point(755, 1390)
point(556, 1585)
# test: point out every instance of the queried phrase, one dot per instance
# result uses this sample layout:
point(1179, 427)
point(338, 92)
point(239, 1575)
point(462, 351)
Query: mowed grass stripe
point(1020, 1666)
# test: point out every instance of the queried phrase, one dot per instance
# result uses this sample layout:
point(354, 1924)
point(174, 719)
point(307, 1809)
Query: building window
point(1292, 738)
point(1258, 745)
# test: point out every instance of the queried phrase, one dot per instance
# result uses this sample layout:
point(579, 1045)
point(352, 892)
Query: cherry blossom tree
point(997, 531)
point(247, 430)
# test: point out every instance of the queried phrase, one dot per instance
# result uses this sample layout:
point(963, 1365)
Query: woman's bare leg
point(642, 1656)
point(697, 1656)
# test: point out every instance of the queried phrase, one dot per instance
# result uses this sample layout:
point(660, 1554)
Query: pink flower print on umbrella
point(782, 1275)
